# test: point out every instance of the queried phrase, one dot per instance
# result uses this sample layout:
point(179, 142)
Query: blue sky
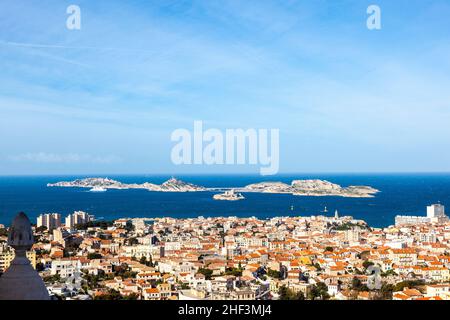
point(105, 99)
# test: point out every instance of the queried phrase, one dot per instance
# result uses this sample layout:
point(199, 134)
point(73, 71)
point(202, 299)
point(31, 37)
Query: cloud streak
point(65, 158)
point(134, 73)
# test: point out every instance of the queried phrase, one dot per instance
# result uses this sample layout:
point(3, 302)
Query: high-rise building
point(49, 220)
point(60, 235)
point(78, 217)
point(435, 211)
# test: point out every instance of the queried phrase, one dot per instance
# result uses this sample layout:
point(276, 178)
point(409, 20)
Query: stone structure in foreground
point(21, 281)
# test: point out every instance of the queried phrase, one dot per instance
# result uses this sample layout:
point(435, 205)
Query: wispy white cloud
point(69, 158)
point(311, 68)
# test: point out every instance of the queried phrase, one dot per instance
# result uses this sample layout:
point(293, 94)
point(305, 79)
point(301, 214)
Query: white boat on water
point(98, 189)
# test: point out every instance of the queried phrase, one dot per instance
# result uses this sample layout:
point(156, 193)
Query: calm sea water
point(400, 194)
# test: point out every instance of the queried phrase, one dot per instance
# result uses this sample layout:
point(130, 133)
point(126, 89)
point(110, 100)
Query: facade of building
point(266, 257)
point(78, 217)
point(7, 256)
point(435, 211)
point(435, 214)
point(406, 220)
point(65, 267)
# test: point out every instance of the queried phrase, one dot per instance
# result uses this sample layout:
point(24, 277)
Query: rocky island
point(229, 195)
point(172, 185)
point(316, 188)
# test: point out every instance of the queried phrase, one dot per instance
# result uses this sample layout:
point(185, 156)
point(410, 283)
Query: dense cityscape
point(230, 258)
point(217, 159)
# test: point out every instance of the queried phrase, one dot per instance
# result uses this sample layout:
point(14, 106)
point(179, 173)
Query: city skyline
point(231, 258)
point(224, 155)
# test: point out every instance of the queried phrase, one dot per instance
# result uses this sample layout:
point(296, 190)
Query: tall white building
point(353, 235)
point(78, 217)
point(435, 211)
point(49, 220)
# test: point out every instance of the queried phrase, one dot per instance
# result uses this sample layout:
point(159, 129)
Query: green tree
point(133, 296)
point(94, 224)
point(129, 226)
point(40, 267)
point(234, 272)
point(52, 279)
point(367, 264)
point(110, 295)
point(184, 286)
point(407, 284)
point(206, 272)
point(150, 262)
point(41, 229)
point(288, 294)
point(284, 293)
point(274, 274)
point(317, 266)
point(143, 260)
point(388, 273)
point(385, 293)
point(319, 291)
point(3, 232)
point(300, 296)
point(133, 241)
point(94, 255)
point(358, 286)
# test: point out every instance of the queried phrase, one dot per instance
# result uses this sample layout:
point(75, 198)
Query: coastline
point(311, 187)
point(401, 195)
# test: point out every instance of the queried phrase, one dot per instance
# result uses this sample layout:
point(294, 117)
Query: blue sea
point(406, 194)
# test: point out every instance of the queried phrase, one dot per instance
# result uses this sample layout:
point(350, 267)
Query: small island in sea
point(229, 195)
point(316, 188)
point(171, 185)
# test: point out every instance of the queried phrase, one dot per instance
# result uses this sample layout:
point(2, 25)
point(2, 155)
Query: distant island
point(229, 195)
point(316, 188)
point(172, 185)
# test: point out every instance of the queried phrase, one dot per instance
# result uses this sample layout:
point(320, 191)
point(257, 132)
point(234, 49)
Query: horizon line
point(227, 174)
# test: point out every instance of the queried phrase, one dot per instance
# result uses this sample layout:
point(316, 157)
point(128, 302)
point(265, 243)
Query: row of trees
point(288, 294)
point(115, 295)
point(147, 262)
point(318, 291)
point(102, 224)
point(237, 272)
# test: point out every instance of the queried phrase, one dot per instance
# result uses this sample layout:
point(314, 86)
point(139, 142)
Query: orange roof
point(401, 296)
point(430, 298)
point(152, 290)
